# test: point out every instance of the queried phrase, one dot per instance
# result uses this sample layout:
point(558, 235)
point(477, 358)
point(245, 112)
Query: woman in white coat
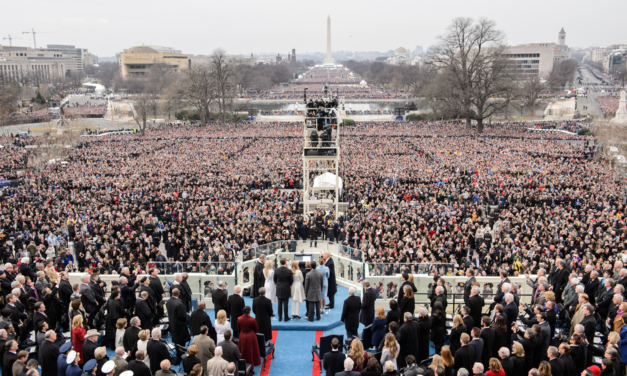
point(270, 285)
point(298, 290)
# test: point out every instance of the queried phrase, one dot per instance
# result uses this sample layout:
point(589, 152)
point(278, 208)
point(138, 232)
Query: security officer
point(73, 369)
point(90, 368)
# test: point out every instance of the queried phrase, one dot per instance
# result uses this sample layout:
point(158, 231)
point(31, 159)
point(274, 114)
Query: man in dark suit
point(476, 304)
point(283, 278)
point(90, 345)
point(477, 343)
point(589, 323)
point(500, 291)
point(236, 307)
point(439, 297)
point(408, 336)
point(367, 304)
point(332, 284)
point(557, 366)
point(511, 312)
point(137, 366)
point(200, 318)
point(127, 291)
point(88, 299)
point(470, 274)
point(157, 351)
point(604, 300)
point(262, 308)
point(468, 321)
point(65, 291)
point(349, 364)
point(506, 362)
point(465, 355)
point(567, 360)
point(143, 310)
point(333, 361)
point(560, 280)
point(131, 336)
point(406, 282)
point(350, 313)
point(259, 279)
point(220, 298)
point(9, 357)
point(230, 351)
point(40, 315)
point(487, 335)
point(592, 286)
point(97, 287)
point(177, 319)
point(313, 292)
point(48, 354)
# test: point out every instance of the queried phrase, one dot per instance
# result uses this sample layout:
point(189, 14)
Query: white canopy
point(327, 180)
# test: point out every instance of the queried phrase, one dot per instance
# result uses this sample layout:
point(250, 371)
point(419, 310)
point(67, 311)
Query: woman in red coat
point(78, 336)
point(248, 346)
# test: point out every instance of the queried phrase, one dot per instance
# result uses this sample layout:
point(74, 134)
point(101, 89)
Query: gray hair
point(504, 352)
point(156, 332)
point(85, 278)
point(423, 312)
point(580, 328)
point(507, 287)
point(125, 270)
point(221, 283)
point(237, 289)
point(144, 294)
point(262, 257)
point(580, 289)
point(509, 297)
point(389, 366)
point(40, 274)
point(618, 297)
point(462, 372)
point(575, 281)
point(351, 291)
point(262, 291)
point(119, 351)
point(439, 289)
point(135, 319)
point(620, 288)
point(366, 283)
point(25, 260)
point(476, 289)
point(20, 278)
point(49, 334)
point(218, 351)
point(530, 332)
point(408, 316)
point(595, 273)
point(16, 292)
point(348, 364)
point(478, 366)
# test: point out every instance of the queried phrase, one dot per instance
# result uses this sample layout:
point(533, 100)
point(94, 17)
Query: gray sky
point(245, 26)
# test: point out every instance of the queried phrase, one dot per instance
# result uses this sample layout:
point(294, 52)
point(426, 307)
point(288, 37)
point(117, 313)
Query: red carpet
point(316, 364)
point(269, 359)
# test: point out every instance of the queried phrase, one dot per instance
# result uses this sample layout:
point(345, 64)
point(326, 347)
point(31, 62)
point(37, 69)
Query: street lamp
point(521, 108)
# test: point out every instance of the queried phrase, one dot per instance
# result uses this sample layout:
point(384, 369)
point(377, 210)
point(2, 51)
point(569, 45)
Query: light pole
point(521, 108)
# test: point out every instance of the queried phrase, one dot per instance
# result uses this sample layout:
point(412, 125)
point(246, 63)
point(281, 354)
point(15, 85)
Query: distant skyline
point(249, 26)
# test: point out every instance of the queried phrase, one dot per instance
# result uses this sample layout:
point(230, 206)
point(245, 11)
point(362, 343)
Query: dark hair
point(373, 363)
point(335, 342)
point(405, 276)
point(115, 294)
point(394, 305)
point(410, 359)
point(6, 312)
point(393, 326)
point(542, 316)
point(204, 329)
point(313, 264)
point(438, 310)
point(476, 332)
point(608, 364)
point(439, 371)
point(246, 310)
point(227, 335)
point(499, 323)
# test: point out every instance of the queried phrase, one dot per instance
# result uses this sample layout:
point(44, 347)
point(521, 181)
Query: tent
point(327, 180)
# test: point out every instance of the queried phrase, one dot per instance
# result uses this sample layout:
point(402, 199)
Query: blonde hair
point(144, 335)
point(294, 267)
point(121, 323)
point(221, 318)
point(457, 321)
point(549, 295)
point(77, 321)
point(495, 365)
point(437, 362)
point(613, 338)
point(357, 351)
point(390, 343)
point(411, 277)
point(380, 313)
point(518, 348)
point(100, 352)
point(267, 267)
point(409, 292)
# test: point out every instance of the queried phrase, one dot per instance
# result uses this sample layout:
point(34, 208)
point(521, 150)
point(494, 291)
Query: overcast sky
point(245, 26)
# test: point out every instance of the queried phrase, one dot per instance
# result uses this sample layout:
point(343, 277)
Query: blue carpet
point(293, 354)
point(327, 321)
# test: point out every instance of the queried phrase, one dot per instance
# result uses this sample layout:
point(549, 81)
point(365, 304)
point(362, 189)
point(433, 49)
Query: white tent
point(327, 180)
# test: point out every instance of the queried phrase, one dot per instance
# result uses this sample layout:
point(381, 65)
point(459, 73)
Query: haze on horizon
point(247, 26)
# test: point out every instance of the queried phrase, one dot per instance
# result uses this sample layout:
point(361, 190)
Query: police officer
point(73, 369)
point(89, 369)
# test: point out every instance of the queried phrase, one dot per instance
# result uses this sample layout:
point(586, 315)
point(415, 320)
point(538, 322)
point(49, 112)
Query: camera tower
point(322, 184)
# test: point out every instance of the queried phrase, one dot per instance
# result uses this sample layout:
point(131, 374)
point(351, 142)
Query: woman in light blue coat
point(325, 287)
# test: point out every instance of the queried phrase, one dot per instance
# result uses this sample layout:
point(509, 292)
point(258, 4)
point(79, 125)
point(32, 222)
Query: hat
point(127, 373)
point(595, 369)
point(71, 357)
point(108, 367)
point(91, 333)
point(90, 365)
point(65, 347)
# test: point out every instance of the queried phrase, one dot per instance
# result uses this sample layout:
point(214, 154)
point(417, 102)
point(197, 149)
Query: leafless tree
point(196, 90)
point(619, 72)
point(530, 86)
point(142, 106)
point(470, 54)
point(223, 78)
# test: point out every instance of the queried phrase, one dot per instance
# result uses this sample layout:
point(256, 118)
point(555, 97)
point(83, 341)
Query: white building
point(27, 65)
point(535, 58)
point(402, 56)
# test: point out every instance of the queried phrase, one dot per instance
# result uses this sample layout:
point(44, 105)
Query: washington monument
point(329, 59)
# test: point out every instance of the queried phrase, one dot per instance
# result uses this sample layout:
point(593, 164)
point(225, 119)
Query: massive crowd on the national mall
point(511, 202)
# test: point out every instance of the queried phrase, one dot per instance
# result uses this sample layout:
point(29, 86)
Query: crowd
point(609, 103)
point(85, 110)
point(27, 117)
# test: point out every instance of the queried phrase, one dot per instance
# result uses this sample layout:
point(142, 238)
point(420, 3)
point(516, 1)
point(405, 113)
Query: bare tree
point(142, 106)
point(470, 54)
point(530, 86)
point(619, 72)
point(196, 89)
point(223, 80)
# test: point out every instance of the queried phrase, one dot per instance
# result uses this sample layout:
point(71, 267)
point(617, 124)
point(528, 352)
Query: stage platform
point(329, 320)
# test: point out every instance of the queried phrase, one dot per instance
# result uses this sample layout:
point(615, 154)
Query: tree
point(562, 73)
point(9, 97)
point(196, 89)
point(470, 54)
point(223, 77)
point(530, 87)
point(619, 72)
point(142, 106)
